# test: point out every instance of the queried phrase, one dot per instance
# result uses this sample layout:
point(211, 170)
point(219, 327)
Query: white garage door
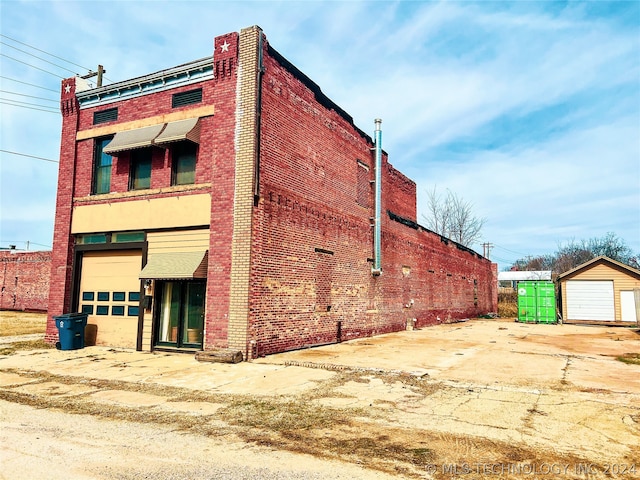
point(110, 295)
point(590, 300)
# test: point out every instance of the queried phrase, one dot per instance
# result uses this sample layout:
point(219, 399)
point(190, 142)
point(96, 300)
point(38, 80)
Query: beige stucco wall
point(166, 212)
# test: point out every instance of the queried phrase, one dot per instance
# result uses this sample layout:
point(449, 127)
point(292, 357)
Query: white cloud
point(527, 90)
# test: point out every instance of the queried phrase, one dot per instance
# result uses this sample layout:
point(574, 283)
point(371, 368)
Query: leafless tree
point(452, 217)
point(574, 253)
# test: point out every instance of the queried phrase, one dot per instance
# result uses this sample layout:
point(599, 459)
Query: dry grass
point(21, 323)
point(300, 424)
point(507, 304)
point(29, 345)
point(630, 358)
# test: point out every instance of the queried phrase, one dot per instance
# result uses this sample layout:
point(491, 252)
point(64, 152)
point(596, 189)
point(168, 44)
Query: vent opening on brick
point(186, 98)
point(323, 279)
point(104, 116)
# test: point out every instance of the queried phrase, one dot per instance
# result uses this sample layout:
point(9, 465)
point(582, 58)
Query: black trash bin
point(71, 330)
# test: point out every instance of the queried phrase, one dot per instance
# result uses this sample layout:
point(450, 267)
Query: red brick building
point(24, 280)
point(227, 202)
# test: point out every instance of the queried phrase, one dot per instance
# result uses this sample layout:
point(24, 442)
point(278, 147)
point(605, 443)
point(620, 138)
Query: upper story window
point(186, 98)
point(101, 167)
point(104, 116)
point(183, 156)
point(140, 172)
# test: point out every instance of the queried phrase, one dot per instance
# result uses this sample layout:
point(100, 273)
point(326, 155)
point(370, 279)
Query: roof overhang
point(524, 275)
point(176, 266)
point(602, 259)
point(188, 129)
point(131, 139)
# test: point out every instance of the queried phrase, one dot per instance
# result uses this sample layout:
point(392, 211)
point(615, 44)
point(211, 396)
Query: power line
point(50, 54)
point(27, 242)
point(39, 58)
point(30, 96)
point(30, 156)
point(33, 66)
point(17, 104)
point(510, 251)
point(30, 84)
point(20, 103)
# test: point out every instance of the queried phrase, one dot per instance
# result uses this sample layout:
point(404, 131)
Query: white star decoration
point(67, 88)
point(224, 47)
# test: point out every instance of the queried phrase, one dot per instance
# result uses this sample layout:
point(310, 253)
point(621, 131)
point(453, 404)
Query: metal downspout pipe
point(377, 233)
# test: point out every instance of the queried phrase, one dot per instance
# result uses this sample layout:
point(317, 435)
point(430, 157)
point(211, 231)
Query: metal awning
point(176, 266)
point(130, 139)
point(188, 129)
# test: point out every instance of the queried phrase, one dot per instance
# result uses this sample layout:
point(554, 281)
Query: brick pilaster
point(62, 255)
point(245, 162)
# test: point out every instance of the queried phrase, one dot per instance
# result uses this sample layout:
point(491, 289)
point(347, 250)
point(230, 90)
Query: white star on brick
point(224, 47)
point(67, 88)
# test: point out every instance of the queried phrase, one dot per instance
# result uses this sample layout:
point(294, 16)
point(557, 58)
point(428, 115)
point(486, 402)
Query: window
point(183, 163)
point(88, 309)
point(103, 296)
point(126, 237)
point(104, 116)
point(181, 318)
point(140, 174)
point(91, 239)
point(102, 167)
point(186, 98)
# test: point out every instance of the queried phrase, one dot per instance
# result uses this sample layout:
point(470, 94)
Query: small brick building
point(24, 280)
point(227, 202)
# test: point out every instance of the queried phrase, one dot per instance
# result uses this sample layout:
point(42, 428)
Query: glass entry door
point(181, 315)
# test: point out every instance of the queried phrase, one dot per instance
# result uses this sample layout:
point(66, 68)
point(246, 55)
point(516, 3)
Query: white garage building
point(601, 291)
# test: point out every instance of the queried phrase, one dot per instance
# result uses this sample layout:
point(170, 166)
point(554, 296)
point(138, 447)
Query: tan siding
point(178, 241)
point(146, 332)
point(169, 242)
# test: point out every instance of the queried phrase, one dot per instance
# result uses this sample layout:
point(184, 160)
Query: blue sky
point(528, 110)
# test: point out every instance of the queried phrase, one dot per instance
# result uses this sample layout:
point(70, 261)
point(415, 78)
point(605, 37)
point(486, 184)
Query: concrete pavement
point(547, 386)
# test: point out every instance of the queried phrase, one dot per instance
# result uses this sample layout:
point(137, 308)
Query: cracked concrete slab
point(8, 379)
point(555, 386)
point(55, 389)
point(127, 398)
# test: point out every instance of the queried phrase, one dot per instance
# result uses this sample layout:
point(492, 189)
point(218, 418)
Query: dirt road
point(482, 399)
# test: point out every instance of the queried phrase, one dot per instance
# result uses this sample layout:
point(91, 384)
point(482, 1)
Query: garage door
point(590, 300)
point(110, 295)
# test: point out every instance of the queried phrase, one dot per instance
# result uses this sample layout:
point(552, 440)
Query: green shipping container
point(536, 302)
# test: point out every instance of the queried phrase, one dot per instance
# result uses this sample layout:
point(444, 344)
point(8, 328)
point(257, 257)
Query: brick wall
point(295, 268)
point(24, 280)
point(62, 254)
point(312, 249)
point(219, 151)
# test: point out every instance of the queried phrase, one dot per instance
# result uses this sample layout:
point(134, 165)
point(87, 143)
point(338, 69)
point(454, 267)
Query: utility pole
point(486, 249)
point(101, 71)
